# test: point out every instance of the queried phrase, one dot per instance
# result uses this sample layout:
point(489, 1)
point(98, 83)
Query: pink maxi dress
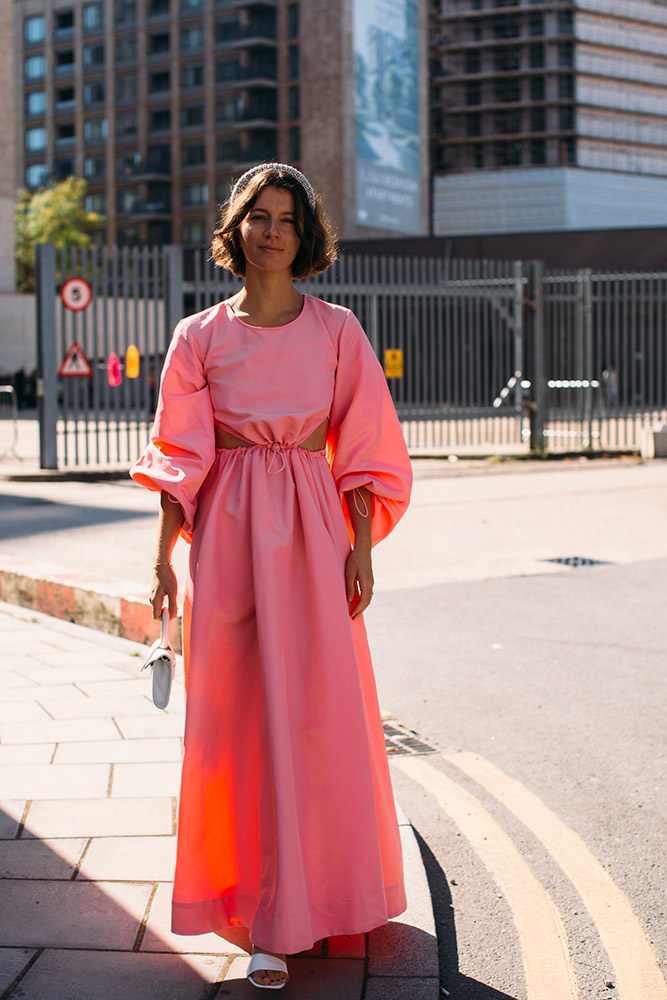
point(287, 824)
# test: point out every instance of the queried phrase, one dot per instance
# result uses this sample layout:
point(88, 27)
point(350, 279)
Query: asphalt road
point(541, 689)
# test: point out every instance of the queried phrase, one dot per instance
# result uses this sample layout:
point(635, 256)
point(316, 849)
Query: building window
point(228, 148)
point(36, 175)
point(93, 17)
point(157, 8)
point(95, 130)
point(193, 232)
point(536, 56)
point(64, 99)
point(508, 153)
point(158, 82)
point(192, 4)
point(538, 151)
point(194, 194)
point(474, 124)
point(125, 12)
point(127, 236)
point(191, 115)
point(35, 103)
point(34, 67)
point(227, 69)
point(293, 20)
point(293, 102)
point(568, 152)
point(126, 88)
point(158, 159)
point(159, 120)
point(565, 22)
point(65, 134)
point(96, 203)
point(63, 167)
point(126, 125)
point(472, 61)
point(193, 154)
point(33, 29)
point(65, 62)
point(228, 109)
point(93, 93)
point(128, 162)
point(536, 24)
point(192, 76)
point(227, 30)
point(158, 44)
point(94, 166)
point(35, 138)
point(567, 118)
point(294, 143)
point(566, 87)
point(293, 62)
point(565, 54)
point(473, 93)
point(508, 91)
point(127, 200)
point(507, 59)
point(126, 50)
point(93, 55)
point(64, 24)
point(538, 120)
point(192, 37)
point(537, 88)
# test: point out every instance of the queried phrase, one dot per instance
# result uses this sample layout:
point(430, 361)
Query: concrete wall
point(18, 345)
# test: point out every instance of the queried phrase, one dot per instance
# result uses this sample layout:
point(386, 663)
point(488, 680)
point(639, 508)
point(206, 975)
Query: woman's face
point(268, 235)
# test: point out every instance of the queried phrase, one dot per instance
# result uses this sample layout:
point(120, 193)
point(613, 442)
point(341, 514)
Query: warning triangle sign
point(75, 362)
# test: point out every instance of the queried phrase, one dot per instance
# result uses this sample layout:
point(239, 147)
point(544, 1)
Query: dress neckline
point(232, 315)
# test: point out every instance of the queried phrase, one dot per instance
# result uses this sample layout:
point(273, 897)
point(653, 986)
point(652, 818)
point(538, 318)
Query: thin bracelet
point(157, 564)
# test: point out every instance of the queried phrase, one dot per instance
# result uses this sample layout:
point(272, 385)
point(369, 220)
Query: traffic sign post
point(393, 363)
point(75, 363)
point(76, 294)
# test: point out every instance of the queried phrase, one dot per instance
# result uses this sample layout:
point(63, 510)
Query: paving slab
point(97, 708)
point(26, 753)
point(144, 727)
point(22, 711)
point(12, 963)
point(11, 813)
point(33, 692)
point(50, 914)
point(158, 936)
point(93, 975)
point(55, 781)
point(40, 859)
point(9, 678)
point(131, 780)
point(100, 818)
point(313, 978)
point(402, 989)
point(52, 731)
point(130, 859)
point(45, 673)
point(139, 751)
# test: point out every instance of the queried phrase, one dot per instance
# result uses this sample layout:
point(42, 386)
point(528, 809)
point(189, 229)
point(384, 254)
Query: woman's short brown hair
point(318, 248)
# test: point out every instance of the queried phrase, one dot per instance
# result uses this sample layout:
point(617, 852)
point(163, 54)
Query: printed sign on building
point(386, 60)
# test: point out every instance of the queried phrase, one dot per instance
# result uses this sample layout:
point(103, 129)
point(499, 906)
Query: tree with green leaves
point(54, 214)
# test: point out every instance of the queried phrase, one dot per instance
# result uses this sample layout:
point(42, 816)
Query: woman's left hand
point(359, 574)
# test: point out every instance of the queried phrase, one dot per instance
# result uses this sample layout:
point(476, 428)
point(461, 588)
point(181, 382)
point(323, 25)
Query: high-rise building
point(548, 115)
point(7, 130)
point(158, 104)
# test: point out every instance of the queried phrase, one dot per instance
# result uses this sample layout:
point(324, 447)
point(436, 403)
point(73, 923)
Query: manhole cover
point(576, 561)
point(399, 739)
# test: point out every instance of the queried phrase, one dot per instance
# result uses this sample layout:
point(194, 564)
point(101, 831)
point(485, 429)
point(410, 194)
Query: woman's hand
point(165, 584)
point(359, 574)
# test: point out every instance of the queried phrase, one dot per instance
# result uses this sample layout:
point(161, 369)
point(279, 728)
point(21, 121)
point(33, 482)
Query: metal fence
point(498, 357)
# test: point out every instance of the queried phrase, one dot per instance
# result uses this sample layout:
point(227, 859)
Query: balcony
point(233, 36)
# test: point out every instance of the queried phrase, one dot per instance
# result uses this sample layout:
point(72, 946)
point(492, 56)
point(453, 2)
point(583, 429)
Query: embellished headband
point(292, 171)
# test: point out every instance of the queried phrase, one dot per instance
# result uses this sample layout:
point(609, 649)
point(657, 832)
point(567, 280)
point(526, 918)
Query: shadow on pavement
point(459, 986)
point(22, 516)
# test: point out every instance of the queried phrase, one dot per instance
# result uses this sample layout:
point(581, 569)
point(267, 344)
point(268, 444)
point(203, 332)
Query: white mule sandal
point(260, 962)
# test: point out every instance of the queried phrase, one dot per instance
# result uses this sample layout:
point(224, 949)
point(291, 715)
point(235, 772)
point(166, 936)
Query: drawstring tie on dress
point(275, 450)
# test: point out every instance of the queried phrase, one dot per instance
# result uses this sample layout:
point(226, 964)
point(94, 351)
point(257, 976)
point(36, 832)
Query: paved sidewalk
point(89, 775)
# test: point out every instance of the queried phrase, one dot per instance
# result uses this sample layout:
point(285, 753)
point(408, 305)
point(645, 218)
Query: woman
point(287, 830)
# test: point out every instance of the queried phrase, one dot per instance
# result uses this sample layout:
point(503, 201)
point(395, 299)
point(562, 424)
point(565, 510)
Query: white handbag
point(162, 661)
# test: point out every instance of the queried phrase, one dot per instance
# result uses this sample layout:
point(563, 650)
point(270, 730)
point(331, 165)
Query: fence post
point(47, 384)
point(173, 289)
point(538, 405)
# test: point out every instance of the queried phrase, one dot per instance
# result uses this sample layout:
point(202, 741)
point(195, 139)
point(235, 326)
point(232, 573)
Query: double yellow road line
point(546, 956)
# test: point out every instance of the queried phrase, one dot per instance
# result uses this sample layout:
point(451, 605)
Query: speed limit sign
point(76, 294)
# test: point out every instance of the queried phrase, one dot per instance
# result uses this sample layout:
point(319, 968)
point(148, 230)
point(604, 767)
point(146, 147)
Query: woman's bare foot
point(268, 977)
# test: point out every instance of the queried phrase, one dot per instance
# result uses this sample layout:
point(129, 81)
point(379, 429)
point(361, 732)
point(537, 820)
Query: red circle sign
point(76, 294)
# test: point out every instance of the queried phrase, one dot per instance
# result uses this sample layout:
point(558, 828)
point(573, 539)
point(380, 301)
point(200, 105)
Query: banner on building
point(386, 60)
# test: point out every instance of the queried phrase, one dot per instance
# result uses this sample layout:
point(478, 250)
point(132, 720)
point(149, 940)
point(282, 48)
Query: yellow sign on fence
point(393, 363)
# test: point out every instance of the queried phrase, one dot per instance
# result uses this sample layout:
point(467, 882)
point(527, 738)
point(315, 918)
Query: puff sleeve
point(182, 446)
point(365, 443)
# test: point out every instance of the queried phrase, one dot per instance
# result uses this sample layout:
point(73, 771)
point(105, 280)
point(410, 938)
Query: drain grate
point(399, 739)
point(576, 561)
